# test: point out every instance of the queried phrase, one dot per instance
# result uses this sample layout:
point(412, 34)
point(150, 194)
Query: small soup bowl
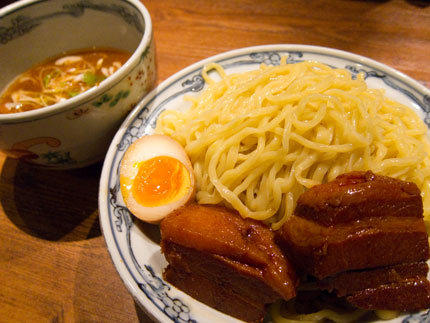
point(75, 132)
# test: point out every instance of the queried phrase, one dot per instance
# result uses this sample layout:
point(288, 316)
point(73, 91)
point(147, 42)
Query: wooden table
point(54, 265)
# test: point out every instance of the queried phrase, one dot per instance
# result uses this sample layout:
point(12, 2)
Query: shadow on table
point(52, 205)
point(419, 3)
point(141, 314)
point(416, 3)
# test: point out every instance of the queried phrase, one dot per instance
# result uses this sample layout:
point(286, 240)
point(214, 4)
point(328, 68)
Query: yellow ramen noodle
point(258, 139)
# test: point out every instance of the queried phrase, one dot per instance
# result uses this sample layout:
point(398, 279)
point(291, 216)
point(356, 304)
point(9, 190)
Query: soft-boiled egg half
point(156, 177)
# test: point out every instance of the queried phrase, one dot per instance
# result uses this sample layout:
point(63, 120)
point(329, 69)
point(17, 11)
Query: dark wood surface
point(54, 265)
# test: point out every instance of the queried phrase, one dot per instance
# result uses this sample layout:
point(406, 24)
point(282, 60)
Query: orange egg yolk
point(160, 180)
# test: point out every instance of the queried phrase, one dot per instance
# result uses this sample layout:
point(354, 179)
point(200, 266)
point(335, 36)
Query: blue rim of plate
point(146, 286)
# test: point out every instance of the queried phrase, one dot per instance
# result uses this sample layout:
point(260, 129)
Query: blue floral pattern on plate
point(126, 243)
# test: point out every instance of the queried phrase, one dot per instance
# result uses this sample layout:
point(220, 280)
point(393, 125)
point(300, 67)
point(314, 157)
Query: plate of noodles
point(376, 118)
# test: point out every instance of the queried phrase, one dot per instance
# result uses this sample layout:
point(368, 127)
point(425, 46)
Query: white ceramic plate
point(134, 246)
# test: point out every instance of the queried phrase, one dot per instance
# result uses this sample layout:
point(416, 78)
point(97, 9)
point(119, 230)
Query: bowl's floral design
point(85, 124)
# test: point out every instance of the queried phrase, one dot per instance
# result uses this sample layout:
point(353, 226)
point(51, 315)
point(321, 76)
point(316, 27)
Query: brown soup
point(60, 78)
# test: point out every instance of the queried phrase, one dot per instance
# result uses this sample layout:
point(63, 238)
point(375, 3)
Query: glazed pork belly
point(227, 262)
point(360, 220)
point(402, 287)
point(363, 236)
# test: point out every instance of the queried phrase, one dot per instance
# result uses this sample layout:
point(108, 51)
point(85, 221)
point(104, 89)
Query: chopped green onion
point(92, 79)
point(49, 77)
point(72, 93)
point(46, 79)
point(89, 78)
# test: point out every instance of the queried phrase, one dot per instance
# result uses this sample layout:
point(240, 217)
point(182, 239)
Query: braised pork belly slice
point(402, 287)
point(358, 195)
point(360, 220)
point(222, 260)
point(225, 285)
point(350, 282)
point(363, 238)
point(406, 295)
point(324, 251)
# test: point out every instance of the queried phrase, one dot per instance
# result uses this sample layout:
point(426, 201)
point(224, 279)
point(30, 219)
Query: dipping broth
point(60, 78)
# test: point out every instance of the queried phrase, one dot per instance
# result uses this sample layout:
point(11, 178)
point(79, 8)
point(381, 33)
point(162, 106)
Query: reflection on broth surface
point(60, 78)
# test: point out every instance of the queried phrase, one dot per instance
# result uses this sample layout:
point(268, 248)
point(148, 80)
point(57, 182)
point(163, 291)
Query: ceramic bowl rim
point(92, 93)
